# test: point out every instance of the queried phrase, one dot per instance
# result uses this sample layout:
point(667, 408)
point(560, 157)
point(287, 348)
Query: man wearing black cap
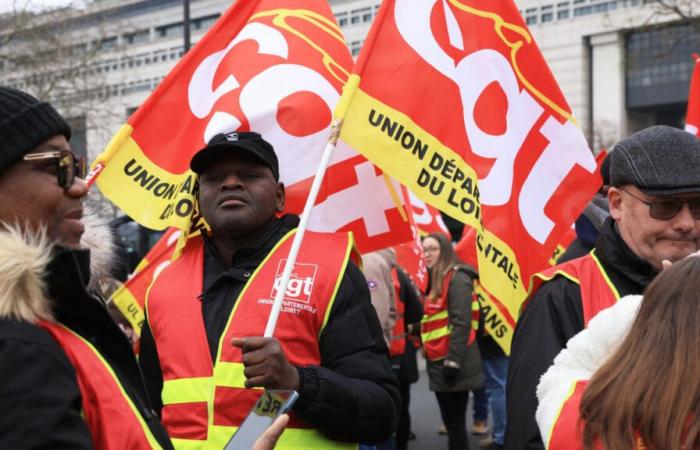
point(201, 345)
point(654, 202)
point(68, 377)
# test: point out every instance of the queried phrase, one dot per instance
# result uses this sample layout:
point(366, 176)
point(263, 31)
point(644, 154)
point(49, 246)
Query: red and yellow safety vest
point(110, 414)
point(566, 430)
point(397, 343)
point(204, 403)
point(435, 325)
point(597, 291)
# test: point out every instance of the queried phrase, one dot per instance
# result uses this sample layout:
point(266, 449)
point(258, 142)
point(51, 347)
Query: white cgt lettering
point(260, 98)
point(200, 95)
point(472, 75)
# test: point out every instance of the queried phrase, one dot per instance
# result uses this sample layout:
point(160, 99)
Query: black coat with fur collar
point(39, 395)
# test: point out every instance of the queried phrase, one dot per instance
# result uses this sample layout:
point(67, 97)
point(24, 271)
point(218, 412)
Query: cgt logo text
point(301, 283)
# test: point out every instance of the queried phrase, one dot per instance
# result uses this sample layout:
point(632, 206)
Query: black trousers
point(404, 427)
point(453, 409)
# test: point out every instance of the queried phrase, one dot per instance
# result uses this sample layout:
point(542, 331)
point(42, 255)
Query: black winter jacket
point(40, 398)
point(552, 317)
point(353, 396)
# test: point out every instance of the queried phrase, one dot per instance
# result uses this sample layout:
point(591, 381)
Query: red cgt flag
point(692, 118)
point(454, 100)
point(272, 66)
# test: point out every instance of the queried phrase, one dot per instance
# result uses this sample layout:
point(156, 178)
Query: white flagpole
point(296, 243)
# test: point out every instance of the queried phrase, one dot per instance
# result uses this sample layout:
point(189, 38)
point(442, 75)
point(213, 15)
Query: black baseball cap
point(231, 143)
point(659, 160)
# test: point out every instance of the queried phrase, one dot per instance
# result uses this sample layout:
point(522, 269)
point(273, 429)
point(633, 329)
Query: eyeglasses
point(431, 249)
point(68, 165)
point(667, 208)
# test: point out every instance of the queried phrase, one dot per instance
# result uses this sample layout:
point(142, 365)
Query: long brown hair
point(447, 260)
point(650, 387)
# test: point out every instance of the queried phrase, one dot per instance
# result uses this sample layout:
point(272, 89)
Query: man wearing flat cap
point(654, 203)
point(201, 345)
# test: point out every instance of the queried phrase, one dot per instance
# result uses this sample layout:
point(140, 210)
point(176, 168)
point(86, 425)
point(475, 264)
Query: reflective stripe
point(187, 444)
point(291, 439)
point(434, 317)
point(350, 249)
point(186, 390)
point(612, 287)
point(559, 410)
point(436, 334)
point(152, 441)
point(230, 374)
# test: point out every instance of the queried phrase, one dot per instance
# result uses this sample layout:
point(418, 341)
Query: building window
point(547, 17)
point(138, 37)
point(342, 19)
point(205, 23)
point(531, 20)
point(355, 47)
point(563, 14)
point(108, 43)
point(172, 30)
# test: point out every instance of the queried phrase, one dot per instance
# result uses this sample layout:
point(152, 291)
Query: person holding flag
point(654, 202)
point(202, 348)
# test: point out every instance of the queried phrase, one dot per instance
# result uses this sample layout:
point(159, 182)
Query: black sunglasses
point(68, 165)
point(667, 208)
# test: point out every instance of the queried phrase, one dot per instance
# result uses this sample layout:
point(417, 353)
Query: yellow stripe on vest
point(291, 439)
point(146, 430)
point(436, 334)
point(186, 390)
point(439, 316)
point(230, 374)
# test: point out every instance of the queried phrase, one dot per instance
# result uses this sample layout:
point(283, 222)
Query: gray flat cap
point(659, 160)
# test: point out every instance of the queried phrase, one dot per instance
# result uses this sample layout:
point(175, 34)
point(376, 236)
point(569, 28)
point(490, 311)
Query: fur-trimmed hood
point(24, 260)
point(24, 256)
point(584, 354)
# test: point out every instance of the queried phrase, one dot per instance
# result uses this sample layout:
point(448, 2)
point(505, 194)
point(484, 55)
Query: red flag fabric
point(692, 118)
point(272, 66)
point(472, 121)
point(411, 259)
point(427, 218)
point(131, 296)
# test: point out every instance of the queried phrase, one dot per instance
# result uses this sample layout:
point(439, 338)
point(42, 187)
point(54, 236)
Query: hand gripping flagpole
point(296, 243)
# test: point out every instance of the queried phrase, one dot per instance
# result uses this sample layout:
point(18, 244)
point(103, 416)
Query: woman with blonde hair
point(454, 365)
point(631, 380)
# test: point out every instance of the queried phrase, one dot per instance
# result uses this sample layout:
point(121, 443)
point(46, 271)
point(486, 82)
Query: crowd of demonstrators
point(634, 370)
point(399, 309)
point(201, 349)
point(654, 202)
point(343, 339)
point(452, 356)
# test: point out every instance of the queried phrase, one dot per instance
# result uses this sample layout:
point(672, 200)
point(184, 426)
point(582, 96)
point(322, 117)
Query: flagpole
point(303, 222)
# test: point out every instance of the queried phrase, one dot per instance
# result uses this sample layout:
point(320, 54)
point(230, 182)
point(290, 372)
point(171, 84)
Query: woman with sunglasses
point(453, 361)
point(69, 377)
point(630, 380)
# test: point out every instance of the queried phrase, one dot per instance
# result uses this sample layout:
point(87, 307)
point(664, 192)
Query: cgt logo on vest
point(301, 283)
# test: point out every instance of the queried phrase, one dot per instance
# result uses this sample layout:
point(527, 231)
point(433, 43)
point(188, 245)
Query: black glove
point(450, 370)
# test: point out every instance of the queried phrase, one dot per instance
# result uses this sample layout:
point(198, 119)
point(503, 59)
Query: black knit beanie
point(25, 122)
